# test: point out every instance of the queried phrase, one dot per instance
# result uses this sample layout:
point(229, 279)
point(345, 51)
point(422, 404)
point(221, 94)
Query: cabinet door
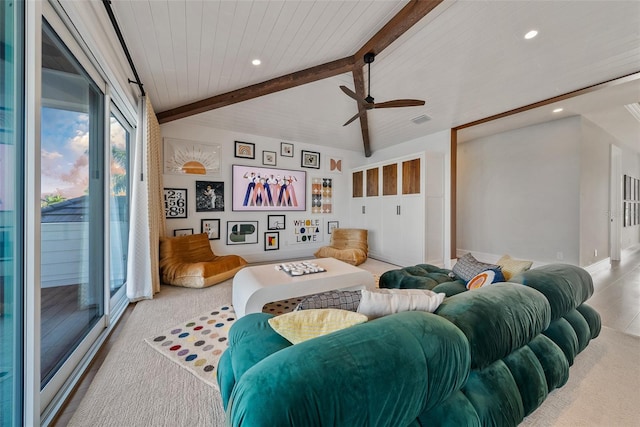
point(403, 230)
point(373, 223)
point(391, 229)
point(412, 233)
point(357, 184)
point(365, 213)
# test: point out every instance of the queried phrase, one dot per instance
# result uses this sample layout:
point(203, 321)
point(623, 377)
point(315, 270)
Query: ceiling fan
point(368, 102)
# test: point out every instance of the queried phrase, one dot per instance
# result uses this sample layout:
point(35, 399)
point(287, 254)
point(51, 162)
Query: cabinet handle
point(363, 209)
point(397, 209)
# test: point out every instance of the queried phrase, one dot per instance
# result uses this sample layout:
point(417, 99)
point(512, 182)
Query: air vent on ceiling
point(421, 119)
point(634, 109)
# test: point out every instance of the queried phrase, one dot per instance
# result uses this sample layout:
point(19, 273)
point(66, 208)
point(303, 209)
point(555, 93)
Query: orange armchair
point(188, 261)
point(348, 245)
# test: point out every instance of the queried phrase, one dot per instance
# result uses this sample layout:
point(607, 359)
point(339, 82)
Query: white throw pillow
point(381, 302)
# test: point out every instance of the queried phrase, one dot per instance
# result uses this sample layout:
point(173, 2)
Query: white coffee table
point(253, 287)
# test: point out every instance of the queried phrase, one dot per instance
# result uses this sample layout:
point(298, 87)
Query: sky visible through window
point(65, 145)
point(65, 160)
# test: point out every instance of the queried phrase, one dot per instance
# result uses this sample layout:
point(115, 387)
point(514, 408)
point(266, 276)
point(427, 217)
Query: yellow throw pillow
point(511, 267)
point(299, 326)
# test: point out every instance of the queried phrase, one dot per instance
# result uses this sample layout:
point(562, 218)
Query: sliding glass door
point(72, 206)
point(11, 213)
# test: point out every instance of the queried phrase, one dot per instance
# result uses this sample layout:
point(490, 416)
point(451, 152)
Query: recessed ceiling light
point(256, 62)
point(531, 34)
point(558, 110)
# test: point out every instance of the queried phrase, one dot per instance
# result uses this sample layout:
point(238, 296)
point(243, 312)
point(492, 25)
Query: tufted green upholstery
point(486, 357)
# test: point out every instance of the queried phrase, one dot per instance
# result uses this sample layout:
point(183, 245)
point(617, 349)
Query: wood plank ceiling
point(467, 59)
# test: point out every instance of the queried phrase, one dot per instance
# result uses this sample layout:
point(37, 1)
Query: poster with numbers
point(175, 203)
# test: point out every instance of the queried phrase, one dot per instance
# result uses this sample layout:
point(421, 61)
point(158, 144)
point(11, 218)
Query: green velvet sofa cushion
point(383, 372)
point(422, 276)
point(497, 319)
point(251, 339)
point(565, 286)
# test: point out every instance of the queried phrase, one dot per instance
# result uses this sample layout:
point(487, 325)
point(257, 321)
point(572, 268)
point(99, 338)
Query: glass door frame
point(116, 304)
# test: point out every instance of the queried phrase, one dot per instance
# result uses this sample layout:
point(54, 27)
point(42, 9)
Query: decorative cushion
point(382, 302)
point(468, 267)
point(299, 326)
point(511, 267)
point(487, 277)
point(343, 300)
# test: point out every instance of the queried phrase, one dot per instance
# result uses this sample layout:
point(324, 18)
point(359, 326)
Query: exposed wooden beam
point(408, 16)
point(598, 86)
point(358, 81)
point(398, 25)
point(278, 84)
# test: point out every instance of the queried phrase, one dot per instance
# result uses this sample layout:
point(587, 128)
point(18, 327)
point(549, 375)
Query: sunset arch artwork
point(183, 157)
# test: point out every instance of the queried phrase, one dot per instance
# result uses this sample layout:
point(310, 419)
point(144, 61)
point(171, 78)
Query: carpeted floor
point(137, 386)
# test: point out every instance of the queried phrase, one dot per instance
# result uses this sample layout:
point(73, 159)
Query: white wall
point(192, 131)
point(518, 193)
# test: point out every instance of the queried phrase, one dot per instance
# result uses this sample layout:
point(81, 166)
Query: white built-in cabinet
point(388, 199)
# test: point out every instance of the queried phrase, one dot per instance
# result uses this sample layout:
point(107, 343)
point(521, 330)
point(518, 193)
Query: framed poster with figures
point(175, 203)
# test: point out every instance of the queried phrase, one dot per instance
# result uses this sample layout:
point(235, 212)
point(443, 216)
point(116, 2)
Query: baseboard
point(603, 264)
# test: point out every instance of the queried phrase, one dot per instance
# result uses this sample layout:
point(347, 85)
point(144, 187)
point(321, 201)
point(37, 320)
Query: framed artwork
point(276, 222)
point(306, 230)
point(191, 158)
point(321, 195)
point(211, 227)
point(242, 232)
point(286, 149)
point(175, 203)
point(310, 159)
point(625, 214)
point(183, 232)
point(335, 165)
point(268, 189)
point(209, 196)
point(271, 241)
point(269, 158)
point(331, 225)
point(245, 150)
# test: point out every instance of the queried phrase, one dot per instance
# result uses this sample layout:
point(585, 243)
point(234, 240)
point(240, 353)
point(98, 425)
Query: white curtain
point(147, 212)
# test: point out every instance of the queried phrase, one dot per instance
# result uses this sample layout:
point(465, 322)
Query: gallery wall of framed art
point(252, 202)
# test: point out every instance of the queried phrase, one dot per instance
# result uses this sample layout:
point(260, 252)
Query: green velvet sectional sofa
point(488, 356)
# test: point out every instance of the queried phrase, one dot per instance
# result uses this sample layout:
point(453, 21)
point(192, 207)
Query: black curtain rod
point(116, 27)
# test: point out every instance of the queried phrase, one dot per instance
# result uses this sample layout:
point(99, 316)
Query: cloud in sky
point(65, 142)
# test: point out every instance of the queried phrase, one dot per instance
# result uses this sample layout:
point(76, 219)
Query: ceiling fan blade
point(399, 103)
point(353, 95)
point(355, 117)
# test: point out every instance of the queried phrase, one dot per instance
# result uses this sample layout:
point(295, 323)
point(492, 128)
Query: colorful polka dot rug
point(197, 344)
